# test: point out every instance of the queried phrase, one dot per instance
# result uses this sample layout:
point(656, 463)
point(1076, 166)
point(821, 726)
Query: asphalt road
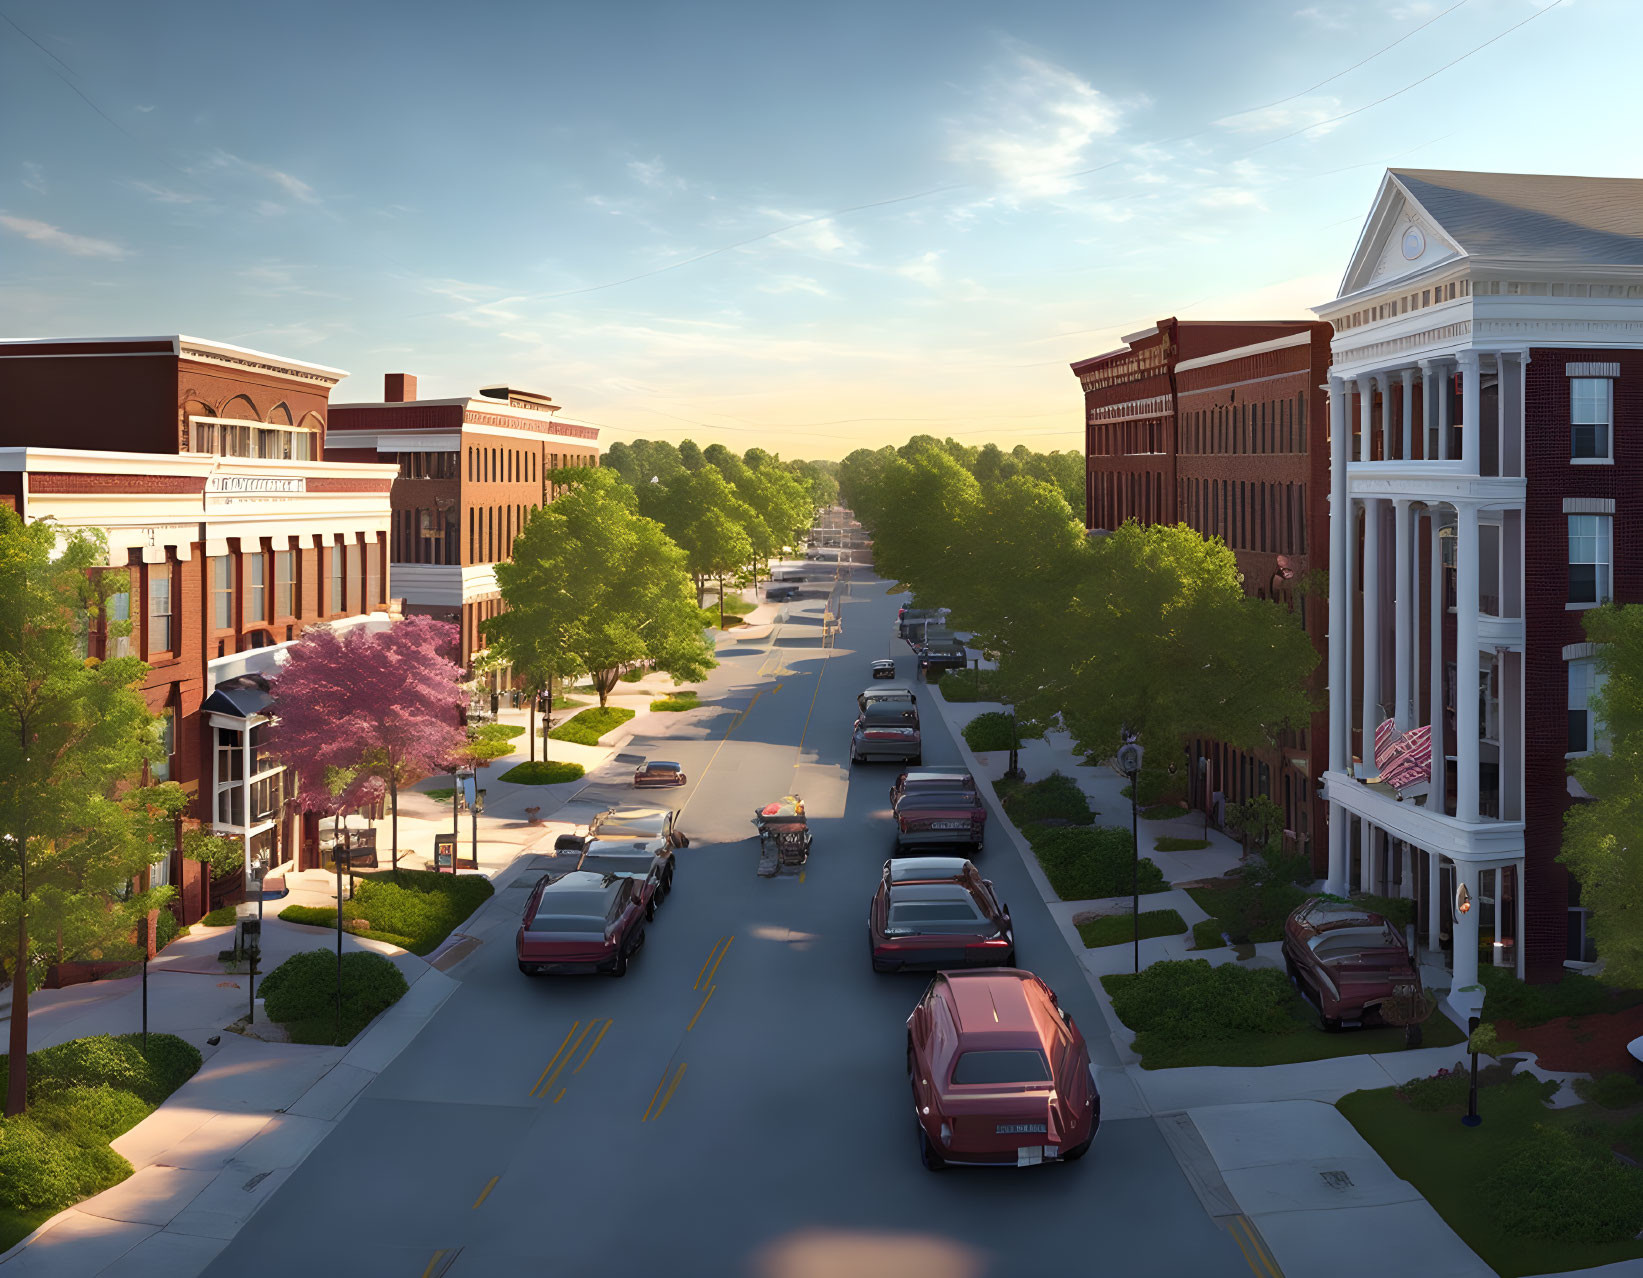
point(737, 1104)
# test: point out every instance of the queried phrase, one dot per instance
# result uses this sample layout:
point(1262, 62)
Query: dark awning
point(246, 697)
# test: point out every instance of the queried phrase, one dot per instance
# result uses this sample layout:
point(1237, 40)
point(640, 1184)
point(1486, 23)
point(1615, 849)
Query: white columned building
point(1482, 481)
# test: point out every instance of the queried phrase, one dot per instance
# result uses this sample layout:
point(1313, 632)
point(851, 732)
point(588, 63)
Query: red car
point(937, 911)
point(932, 778)
point(940, 818)
point(1000, 1074)
point(658, 772)
point(648, 862)
point(581, 922)
point(1348, 960)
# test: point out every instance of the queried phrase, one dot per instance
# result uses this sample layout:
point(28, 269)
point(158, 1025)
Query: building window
point(1589, 559)
point(1591, 414)
point(117, 616)
point(1583, 685)
point(160, 769)
point(284, 589)
point(160, 619)
point(373, 574)
point(257, 590)
point(356, 577)
point(222, 592)
point(338, 578)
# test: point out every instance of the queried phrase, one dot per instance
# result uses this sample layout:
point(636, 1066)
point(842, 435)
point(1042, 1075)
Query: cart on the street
point(784, 835)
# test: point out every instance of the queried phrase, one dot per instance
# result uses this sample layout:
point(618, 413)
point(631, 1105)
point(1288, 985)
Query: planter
point(534, 815)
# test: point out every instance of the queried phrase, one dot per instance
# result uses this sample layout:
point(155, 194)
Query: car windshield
point(951, 796)
point(581, 913)
point(1001, 1067)
point(1339, 942)
point(612, 863)
point(939, 917)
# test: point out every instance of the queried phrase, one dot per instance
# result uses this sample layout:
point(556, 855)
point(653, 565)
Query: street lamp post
point(251, 937)
point(1472, 1118)
point(1129, 763)
point(1014, 773)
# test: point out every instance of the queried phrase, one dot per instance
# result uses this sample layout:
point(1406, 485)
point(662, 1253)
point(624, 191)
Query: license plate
point(1020, 1129)
point(1029, 1156)
point(950, 825)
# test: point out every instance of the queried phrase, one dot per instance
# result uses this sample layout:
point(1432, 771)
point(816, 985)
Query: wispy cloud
point(792, 284)
point(145, 109)
point(164, 194)
point(1036, 121)
point(57, 238)
point(291, 186)
point(34, 177)
point(1327, 17)
point(1299, 114)
point(654, 174)
point(923, 269)
point(269, 279)
point(824, 236)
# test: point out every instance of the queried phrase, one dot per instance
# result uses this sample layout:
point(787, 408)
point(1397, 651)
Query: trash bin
point(496, 703)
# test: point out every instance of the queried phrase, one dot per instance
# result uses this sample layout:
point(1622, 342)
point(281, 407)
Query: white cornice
point(183, 346)
point(1132, 338)
point(1258, 348)
point(79, 461)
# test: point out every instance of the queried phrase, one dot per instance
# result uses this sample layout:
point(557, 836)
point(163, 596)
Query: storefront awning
point(246, 697)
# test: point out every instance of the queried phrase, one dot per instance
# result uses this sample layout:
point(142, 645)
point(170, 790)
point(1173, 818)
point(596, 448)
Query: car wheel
point(527, 969)
point(927, 1152)
point(667, 881)
point(650, 906)
point(620, 967)
point(1078, 1151)
point(1331, 1024)
point(1293, 972)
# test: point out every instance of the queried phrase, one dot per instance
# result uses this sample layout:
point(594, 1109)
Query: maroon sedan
point(1000, 1074)
point(1348, 960)
point(937, 911)
point(940, 818)
point(932, 778)
point(658, 772)
point(581, 922)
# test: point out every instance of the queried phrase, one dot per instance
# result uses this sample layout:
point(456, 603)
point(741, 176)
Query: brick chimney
point(399, 388)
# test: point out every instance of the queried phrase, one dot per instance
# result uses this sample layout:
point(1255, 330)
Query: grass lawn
point(970, 685)
point(1117, 929)
point(1238, 909)
point(1162, 812)
point(1451, 1165)
point(543, 772)
point(415, 913)
point(685, 700)
point(1305, 1042)
point(736, 606)
point(587, 727)
point(1169, 843)
point(441, 796)
point(498, 731)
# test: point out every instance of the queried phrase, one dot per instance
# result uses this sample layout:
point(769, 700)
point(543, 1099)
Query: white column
point(1404, 611)
point(1338, 880)
point(1384, 382)
point(1446, 393)
point(1340, 580)
point(1408, 377)
point(1434, 912)
point(1517, 895)
point(1434, 655)
point(245, 793)
point(1465, 968)
point(1471, 388)
point(1371, 628)
point(1466, 659)
point(1366, 417)
point(1366, 856)
point(1429, 416)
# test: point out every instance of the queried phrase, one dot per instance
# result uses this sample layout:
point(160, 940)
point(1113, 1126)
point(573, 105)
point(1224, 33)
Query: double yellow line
point(673, 1075)
point(714, 956)
point(544, 1085)
point(676, 1075)
point(1255, 1250)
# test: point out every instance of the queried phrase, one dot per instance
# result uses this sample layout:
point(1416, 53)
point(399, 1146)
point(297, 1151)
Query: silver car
point(887, 730)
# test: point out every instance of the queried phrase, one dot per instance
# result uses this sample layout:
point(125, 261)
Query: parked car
point(941, 650)
point(638, 823)
point(658, 772)
point(911, 622)
point(934, 777)
point(884, 732)
point(580, 922)
point(781, 594)
point(942, 817)
point(1000, 1074)
point(884, 668)
point(788, 575)
point(648, 862)
point(937, 911)
point(1348, 960)
point(902, 698)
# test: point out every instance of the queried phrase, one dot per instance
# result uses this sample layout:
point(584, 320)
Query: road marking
point(561, 1095)
point(675, 1075)
point(678, 1075)
point(441, 1262)
point(778, 687)
point(801, 876)
point(706, 961)
point(556, 1055)
point(591, 1050)
point(1260, 1259)
point(486, 1192)
point(700, 1009)
point(542, 1089)
point(720, 959)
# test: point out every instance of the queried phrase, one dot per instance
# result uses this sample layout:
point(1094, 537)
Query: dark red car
point(581, 922)
point(944, 817)
point(1000, 1074)
point(1348, 960)
point(935, 777)
point(658, 772)
point(937, 911)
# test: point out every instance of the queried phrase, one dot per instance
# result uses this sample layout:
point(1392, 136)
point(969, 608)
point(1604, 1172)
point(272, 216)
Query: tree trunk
point(534, 696)
point(17, 1082)
point(393, 797)
point(547, 720)
point(721, 603)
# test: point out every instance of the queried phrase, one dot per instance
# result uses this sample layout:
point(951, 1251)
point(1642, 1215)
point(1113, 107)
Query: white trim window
point(1591, 417)
point(1585, 732)
point(1590, 560)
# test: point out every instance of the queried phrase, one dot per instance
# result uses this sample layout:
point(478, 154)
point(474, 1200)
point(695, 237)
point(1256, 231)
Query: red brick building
point(204, 466)
point(1219, 425)
point(471, 469)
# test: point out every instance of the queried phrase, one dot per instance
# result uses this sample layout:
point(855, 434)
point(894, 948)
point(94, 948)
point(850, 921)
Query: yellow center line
point(653, 1097)
point(561, 1095)
point(545, 1088)
point(720, 959)
point(593, 1048)
point(1260, 1259)
point(486, 1192)
point(672, 1087)
point(556, 1056)
point(700, 1009)
point(428, 1272)
point(706, 961)
point(801, 876)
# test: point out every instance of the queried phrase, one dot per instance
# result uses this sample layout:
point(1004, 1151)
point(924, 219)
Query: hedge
point(1186, 1000)
point(1206, 935)
point(497, 731)
point(301, 993)
point(1117, 929)
point(415, 911)
point(1508, 999)
point(543, 772)
point(1554, 1185)
point(222, 916)
point(677, 701)
point(589, 725)
point(1055, 797)
point(1085, 863)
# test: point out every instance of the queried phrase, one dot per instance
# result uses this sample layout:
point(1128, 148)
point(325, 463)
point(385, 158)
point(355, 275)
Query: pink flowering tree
point(382, 705)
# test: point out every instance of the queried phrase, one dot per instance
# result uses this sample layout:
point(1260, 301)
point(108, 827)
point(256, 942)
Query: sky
point(808, 228)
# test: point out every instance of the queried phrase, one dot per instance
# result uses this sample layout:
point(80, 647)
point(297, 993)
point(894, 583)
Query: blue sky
point(468, 192)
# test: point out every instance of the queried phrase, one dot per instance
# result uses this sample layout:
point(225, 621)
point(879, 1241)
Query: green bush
point(638, 673)
point(1056, 796)
point(1611, 1091)
point(971, 685)
point(1158, 786)
point(1446, 1089)
point(496, 731)
point(317, 916)
point(104, 1111)
point(167, 929)
point(1169, 843)
point(1187, 1000)
point(222, 916)
point(1116, 929)
point(543, 772)
point(588, 726)
point(441, 796)
point(309, 915)
point(677, 701)
point(1508, 999)
point(113, 1061)
point(1253, 902)
point(1397, 910)
point(1206, 935)
point(1086, 863)
point(1554, 1185)
point(302, 994)
point(990, 731)
point(48, 1168)
point(422, 905)
point(1162, 812)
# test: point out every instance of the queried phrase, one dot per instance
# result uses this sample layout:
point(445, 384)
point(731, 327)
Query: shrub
point(1056, 796)
point(421, 905)
point(1169, 843)
point(1206, 935)
point(972, 685)
point(1397, 910)
point(114, 1061)
point(543, 772)
point(104, 1112)
point(1611, 1091)
point(588, 726)
point(1158, 786)
point(496, 731)
point(990, 731)
point(47, 1168)
point(1184, 1000)
point(1446, 1089)
point(1091, 862)
point(310, 915)
point(222, 916)
point(685, 700)
point(302, 993)
point(1116, 929)
point(1161, 812)
point(1554, 1185)
point(636, 674)
point(167, 929)
point(1508, 999)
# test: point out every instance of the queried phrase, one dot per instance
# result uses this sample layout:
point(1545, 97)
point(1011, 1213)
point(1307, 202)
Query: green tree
point(1598, 834)
point(537, 659)
point(72, 730)
point(605, 586)
point(721, 547)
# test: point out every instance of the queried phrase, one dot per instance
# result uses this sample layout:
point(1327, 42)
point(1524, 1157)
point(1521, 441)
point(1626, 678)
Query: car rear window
point(1001, 1067)
point(958, 910)
point(557, 921)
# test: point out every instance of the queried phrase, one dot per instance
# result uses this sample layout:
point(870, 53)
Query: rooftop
point(1534, 216)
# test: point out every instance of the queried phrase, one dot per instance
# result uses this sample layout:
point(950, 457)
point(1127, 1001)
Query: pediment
point(1400, 238)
